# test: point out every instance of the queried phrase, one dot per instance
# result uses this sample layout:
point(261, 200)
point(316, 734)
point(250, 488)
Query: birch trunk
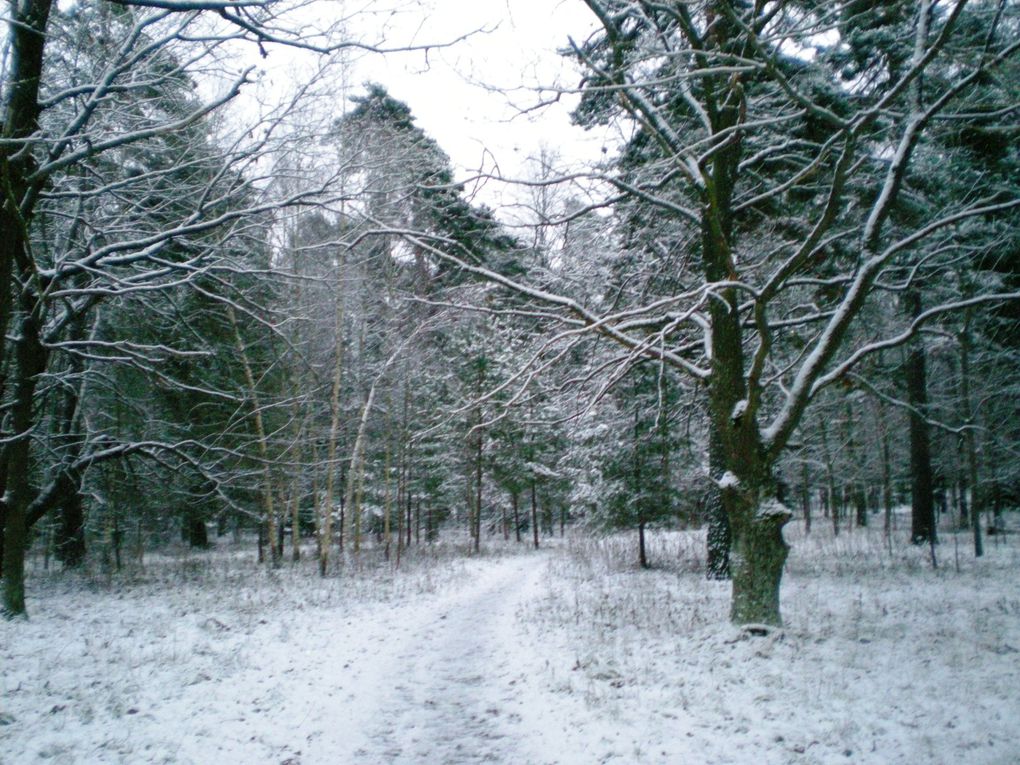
point(268, 508)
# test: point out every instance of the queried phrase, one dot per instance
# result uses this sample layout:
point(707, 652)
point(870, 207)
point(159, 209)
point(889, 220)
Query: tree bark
point(515, 500)
point(31, 359)
point(922, 495)
point(534, 512)
point(970, 444)
point(477, 530)
point(760, 554)
point(642, 552)
point(326, 526)
point(268, 506)
point(195, 531)
point(887, 488)
point(805, 496)
point(387, 502)
point(27, 42)
point(718, 537)
point(830, 478)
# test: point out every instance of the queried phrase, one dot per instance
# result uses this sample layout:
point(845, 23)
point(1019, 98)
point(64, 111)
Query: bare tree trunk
point(718, 536)
point(478, 486)
point(387, 501)
point(408, 524)
point(922, 495)
point(857, 491)
point(830, 477)
point(268, 508)
point(887, 488)
point(970, 445)
point(642, 551)
point(400, 535)
point(26, 44)
point(515, 500)
point(534, 512)
point(805, 496)
point(295, 520)
point(352, 504)
point(761, 555)
point(325, 539)
point(31, 359)
point(356, 508)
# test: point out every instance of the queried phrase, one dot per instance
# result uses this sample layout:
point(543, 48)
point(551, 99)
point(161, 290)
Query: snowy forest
point(317, 447)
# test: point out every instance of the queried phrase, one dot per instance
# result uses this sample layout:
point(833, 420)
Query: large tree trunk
point(31, 362)
point(268, 505)
point(759, 556)
point(27, 42)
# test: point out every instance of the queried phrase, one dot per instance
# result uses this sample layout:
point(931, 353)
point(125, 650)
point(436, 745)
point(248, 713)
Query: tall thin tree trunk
point(356, 508)
point(325, 539)
point(352, 505)
point(400, 534)
point(534, 512)
point(295, 520)
point(407, 531)
point(922, 495)
point(269, 510)
point(970, 445)
point(887, 488)
point(387, 500)
point(515, 497)
point(805, 495)
point(830, 477)
point(857, 490)
point(478, 487)
point(642, 551)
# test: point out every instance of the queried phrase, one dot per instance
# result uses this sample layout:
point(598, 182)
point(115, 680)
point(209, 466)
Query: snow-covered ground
point(566, 655)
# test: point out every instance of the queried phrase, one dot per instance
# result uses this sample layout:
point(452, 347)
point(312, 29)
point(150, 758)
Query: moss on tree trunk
point(757, 560)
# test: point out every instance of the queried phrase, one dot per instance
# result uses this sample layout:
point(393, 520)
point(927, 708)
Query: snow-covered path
point(442, 687)
point(430, 674)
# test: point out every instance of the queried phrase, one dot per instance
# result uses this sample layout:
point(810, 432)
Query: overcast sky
point(471, 96)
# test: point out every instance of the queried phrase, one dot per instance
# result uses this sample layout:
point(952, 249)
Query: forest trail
point(443, 685)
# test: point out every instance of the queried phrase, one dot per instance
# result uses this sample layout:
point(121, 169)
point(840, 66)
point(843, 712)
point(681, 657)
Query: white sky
point(471, 97)
point(451, 90)
point(479, 98)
